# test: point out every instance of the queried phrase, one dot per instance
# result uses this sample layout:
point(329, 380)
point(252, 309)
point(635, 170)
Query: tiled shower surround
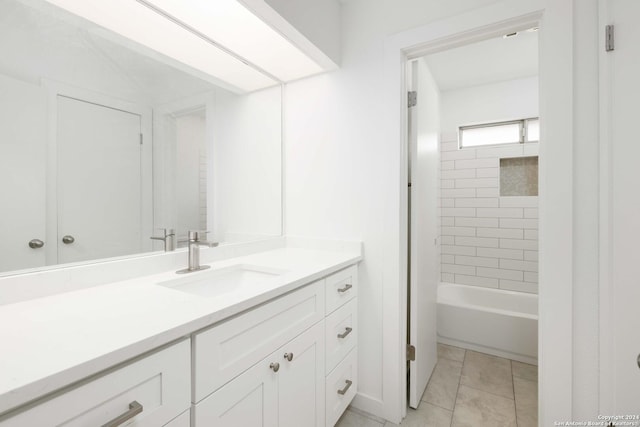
point(486, 240)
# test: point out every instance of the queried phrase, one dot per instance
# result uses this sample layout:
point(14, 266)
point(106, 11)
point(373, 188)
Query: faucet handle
point(195, 234)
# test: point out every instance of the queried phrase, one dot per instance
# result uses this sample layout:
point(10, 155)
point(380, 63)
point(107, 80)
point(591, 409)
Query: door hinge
point(412, 98)
point(141, 139)
point(411, 352)
point(609, 41)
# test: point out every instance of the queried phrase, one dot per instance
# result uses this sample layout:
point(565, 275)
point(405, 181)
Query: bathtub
point(493, 321)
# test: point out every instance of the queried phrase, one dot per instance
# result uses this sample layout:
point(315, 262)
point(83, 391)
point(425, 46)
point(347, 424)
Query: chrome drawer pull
point(344, 390)
point(275, 366)
point(345, 289)
point(134, 409)
point(346, 332)
point(288, 356)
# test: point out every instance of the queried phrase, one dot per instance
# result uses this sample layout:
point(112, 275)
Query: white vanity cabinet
point(152, 391)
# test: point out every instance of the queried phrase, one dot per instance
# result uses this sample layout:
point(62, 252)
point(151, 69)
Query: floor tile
point(426, 415)
point(487, 373)
point(352, 419)
point(477, 408)
point(450, 352)
point(526, 393)
point(443, 385)
point(524, 371)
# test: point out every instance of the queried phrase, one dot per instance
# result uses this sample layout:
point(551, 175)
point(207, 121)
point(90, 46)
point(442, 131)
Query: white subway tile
point(458, 155)
point(499, 253)
point(448, 259)
point(459, 269)
point(447, 221)
point(448, 165)
point(458, 192)
point(504, 233)
point(519, 202)
point(486, 172)
point(530, 245)
point(447, 203)
point(455, 174)
point(476, 203)
point(458, 250)
point(447, 240)
point(512, 264)
point(447, 183)
point(447, 277)
point(449, 137)
point(477, 163)
point(487, 192)
point(499, 273)
point(458, 231)
point(531, 149)
point(477, 183)
point(497, 152)
point(531, 212)
point(530, 277)
point(476, 222)
point(477, 261)
point(531, 256)
point(499, 212)
point(458, 212)
point(531, 234)
point(518, 223)
point(449, 146)
point(486, 282)
point(512, 285)
point(477, 241)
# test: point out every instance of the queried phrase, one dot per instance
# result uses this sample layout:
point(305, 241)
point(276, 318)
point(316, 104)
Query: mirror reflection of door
point(22, 173)
point(99, 181)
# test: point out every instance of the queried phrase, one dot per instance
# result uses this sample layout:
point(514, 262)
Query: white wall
point(247, 165)
point(507, 100)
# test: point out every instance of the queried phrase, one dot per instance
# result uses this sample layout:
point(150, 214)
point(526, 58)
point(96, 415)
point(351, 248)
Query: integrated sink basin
point(233, 279)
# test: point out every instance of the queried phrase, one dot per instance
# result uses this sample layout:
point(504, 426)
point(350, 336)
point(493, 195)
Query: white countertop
point(51, 342)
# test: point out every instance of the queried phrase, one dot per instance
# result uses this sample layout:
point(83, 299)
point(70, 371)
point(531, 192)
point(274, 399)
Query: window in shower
point(500, 133)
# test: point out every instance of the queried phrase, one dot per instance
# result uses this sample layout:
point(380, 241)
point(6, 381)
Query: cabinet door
point(250, 400)
point(301, 381)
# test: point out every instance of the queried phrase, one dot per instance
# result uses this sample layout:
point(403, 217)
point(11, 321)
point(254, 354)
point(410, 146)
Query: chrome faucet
point(169, 239)
point(194, 252)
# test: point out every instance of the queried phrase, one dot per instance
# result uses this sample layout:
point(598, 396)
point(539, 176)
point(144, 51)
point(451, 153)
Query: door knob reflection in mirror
point(67, 240)
point(36, 243)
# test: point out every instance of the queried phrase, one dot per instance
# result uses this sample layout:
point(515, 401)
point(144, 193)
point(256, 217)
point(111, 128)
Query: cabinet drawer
point(183, 420)
point(342, 384)
point(341, 333)
point(341, 287)
point(159, 382)
point(228, 349)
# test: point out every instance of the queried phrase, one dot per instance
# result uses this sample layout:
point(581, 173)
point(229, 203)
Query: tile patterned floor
point(468, 388)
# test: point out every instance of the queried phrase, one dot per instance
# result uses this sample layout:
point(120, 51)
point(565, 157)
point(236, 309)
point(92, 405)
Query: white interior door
point(624, 65)
point(99, 181)
point(22, 174)
point(423, 195)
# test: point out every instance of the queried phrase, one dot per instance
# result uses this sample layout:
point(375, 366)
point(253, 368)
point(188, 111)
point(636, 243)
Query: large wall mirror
point(103, 144)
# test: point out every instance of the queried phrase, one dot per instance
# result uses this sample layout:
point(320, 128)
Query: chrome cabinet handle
point(346, 332)
point(638, 361)
point(288, 356)
point(275, 366)
point(67, 240)
point(134, 409)
point(345, 289)
point(344, 390)
point(36, 243)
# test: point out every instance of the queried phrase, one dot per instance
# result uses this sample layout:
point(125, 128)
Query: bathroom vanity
point(267, 339)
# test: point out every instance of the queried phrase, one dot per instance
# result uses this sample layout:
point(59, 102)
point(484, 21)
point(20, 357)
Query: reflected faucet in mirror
point(194, 252)
point(169, 239)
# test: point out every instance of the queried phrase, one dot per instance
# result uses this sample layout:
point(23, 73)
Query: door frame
point(556, 111)
point(53, 90)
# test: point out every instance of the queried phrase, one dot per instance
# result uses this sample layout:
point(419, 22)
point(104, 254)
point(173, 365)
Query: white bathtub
point(493, 321)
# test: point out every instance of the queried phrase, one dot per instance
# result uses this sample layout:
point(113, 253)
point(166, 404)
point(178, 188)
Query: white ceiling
point(485, 62)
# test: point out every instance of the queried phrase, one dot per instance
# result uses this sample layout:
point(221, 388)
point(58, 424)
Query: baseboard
point(370, 405)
